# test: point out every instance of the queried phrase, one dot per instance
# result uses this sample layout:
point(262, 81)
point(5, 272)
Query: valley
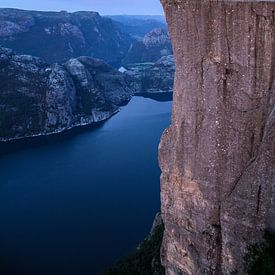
point(67, 207)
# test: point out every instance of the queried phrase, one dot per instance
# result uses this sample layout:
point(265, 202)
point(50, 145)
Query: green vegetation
point(145, 260)
point(261, 257)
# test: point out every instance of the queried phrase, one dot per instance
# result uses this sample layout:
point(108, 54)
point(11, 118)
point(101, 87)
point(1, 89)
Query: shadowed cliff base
point(145, 259)
point(217, 157)
point(260, 259)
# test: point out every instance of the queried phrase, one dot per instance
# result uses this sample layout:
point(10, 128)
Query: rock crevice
point(217, 157)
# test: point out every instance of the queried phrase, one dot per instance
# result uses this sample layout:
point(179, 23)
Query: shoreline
point(59, 131)
point(158, 96)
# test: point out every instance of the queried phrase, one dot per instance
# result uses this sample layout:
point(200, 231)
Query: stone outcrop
point(218, 155)
point(41, 99)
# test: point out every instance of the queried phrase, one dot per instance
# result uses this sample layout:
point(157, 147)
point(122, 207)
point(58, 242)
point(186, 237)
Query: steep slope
point(39, 99)
point(217, 157)
point(153, 46)
point(58, 36)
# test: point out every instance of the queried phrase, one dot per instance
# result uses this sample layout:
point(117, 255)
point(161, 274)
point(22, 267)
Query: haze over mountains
point(55, 72)
point(58, 36)
point(139, 25)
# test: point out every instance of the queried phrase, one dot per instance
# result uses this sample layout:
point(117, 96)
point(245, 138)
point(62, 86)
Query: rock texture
point(40, 99)
point(63, 35)
point(218, 156)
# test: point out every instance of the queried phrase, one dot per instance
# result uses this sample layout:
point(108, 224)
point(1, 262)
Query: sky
point(104, 7)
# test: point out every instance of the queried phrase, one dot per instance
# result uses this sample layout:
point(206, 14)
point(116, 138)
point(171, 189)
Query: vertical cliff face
point(218, 156)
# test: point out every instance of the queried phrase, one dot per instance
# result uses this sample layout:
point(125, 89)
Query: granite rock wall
point(218, 155)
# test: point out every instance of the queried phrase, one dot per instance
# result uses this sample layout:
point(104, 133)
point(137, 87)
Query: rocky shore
point(40, 99)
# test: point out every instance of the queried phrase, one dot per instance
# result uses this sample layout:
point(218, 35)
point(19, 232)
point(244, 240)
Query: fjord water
point(75, 203)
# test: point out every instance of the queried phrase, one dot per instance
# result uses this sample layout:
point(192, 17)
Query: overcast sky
point(148, 7)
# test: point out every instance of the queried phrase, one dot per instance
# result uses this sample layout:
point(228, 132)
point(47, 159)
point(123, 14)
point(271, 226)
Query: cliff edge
point(218, 155)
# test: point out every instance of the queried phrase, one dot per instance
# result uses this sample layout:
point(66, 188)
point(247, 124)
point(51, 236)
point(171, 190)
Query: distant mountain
point(138, 25)
point(152, 78)
point(124, 18)
point(152, 47)
point(58, 36)
point(39, 99)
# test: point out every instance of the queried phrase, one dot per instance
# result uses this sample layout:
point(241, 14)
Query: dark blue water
point(75, 204)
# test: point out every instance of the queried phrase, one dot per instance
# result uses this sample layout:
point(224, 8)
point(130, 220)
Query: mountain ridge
point(62, 35)
point(40, 99)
